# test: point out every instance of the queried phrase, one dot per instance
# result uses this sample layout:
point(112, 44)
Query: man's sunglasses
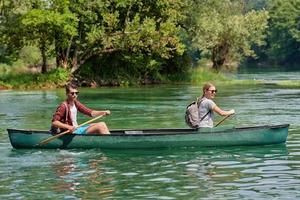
point(72, 93)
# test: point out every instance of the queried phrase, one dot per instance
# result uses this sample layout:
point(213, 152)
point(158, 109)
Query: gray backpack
point(192, 114)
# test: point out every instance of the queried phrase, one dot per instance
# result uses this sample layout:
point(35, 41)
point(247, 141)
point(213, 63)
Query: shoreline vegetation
point(44, 44)
point(57, 78)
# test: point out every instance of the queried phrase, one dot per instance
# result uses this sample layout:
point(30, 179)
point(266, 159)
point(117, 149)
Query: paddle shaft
point(46, 141)
point(222, 120)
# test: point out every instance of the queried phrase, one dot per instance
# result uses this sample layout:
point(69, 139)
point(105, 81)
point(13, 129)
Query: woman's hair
point(206, 87)
point(69, 86)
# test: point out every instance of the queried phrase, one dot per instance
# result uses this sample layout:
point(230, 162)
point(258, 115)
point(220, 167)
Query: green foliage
point(30, 55)
point(284, 31)
point(48, 23)
point(53, 78)
point(129, 41)
point(200, 75)
point(10, 31)
point(118, 68)
point(223, 32)
point(12, 68)
point(4, 68)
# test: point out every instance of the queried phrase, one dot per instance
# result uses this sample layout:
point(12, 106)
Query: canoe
point(155, 138)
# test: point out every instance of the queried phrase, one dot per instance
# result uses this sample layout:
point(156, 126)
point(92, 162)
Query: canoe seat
point(133, 132)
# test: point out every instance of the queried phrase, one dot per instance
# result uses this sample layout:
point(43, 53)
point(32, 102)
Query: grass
point(201, 75)
point(291, 83)
point(52, 79)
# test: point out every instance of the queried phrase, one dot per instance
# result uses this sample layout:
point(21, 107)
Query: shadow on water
point(259, 151)
point(18, 158)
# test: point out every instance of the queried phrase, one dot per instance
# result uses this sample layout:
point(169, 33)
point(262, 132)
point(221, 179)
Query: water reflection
point(197, 168)
point(81, 175)
point(189, 173)
point(63, 168)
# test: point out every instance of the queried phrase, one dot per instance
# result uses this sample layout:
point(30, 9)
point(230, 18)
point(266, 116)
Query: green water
point(263, 172)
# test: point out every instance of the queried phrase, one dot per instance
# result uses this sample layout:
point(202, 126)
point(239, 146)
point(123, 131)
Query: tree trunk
point(219, 55)
point(64, 62)
point(44, 57)
point(62, 55)
point(74, 64)
point(57, 53)
point(75, 61)
point(61, 59)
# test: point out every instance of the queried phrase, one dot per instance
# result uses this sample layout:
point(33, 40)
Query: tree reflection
point(84, 177)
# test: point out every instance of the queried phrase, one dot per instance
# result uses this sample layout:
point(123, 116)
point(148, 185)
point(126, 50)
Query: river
point(259, 172)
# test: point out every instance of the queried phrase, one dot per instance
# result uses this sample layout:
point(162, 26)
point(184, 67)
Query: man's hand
point(71, 128)
point(107, 112)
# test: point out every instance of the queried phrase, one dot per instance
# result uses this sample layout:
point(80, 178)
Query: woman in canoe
point(65, 116)
point(207, 106)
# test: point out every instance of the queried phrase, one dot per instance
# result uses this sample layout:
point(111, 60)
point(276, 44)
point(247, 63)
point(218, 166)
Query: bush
point(30, 55)
point(204, 74)
point(54, 78)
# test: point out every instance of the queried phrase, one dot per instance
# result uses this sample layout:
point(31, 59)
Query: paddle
point(222, 120)
point(46, 141)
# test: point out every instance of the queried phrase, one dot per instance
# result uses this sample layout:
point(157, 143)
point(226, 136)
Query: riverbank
point(53, 79)
point(57, 78)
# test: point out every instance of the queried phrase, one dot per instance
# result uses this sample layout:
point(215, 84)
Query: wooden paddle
point(222, 120)
point(46, 141)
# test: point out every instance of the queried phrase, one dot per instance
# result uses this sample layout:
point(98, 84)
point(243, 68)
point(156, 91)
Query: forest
point(105, 42)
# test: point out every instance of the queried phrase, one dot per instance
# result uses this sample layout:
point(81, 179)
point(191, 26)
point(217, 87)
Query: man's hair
point(69, 86)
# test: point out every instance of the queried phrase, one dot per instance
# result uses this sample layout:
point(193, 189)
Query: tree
point(35, 22)
point(147, 31)
point(142, 35)
point(11, 35)
point(225, 32)
point(48, 23)
point(284, 29)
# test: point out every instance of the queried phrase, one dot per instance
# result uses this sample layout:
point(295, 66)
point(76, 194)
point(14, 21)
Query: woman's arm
point(223, 112)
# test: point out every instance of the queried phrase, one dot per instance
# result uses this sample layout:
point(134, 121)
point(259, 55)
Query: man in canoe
point(207, 106)
point(65, 116)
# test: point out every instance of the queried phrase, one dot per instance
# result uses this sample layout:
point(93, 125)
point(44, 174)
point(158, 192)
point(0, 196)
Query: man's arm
point(100, 112)
point(61, 125)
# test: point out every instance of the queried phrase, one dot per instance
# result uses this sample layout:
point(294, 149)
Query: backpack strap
point(204, 116)
point(198, 105)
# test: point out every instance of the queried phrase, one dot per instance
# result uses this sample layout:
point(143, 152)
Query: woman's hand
point(231, 112)
point(223, 112)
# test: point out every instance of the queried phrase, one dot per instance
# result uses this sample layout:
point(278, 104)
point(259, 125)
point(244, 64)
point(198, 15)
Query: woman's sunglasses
point(213, 91)
point(72, 93)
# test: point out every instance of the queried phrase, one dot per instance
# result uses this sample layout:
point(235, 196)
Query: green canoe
point(155, 138)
